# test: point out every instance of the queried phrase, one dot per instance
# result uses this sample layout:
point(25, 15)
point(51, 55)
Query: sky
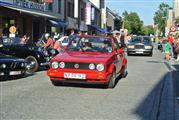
point(145, 8)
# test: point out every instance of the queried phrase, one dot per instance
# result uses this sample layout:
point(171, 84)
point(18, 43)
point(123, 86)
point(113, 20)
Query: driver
point(87, 45)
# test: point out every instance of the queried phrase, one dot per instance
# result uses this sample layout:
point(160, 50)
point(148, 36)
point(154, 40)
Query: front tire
point(124, 71)
point(112, 81)
point(32, 64)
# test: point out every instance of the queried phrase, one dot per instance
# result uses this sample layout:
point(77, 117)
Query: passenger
point(57, 44)
point(106, 46)
point(49, 40)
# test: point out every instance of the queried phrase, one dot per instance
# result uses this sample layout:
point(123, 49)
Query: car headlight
point(22, 64)
point(91, 66)
point(148, 47)
point(131, 46)
point(100, 67)
point(54, 65)
point(62, 65)
point(3, 66)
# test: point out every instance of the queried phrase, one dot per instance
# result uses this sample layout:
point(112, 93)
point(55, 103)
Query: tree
point(132, 22)
point(160, 17)
point(147, 30)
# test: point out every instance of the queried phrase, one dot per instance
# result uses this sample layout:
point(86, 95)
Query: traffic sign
point(12, 29)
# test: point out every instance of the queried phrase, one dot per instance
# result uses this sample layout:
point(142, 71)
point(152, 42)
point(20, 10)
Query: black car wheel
point(124, 71)
point(112, 81)
point(32, 64)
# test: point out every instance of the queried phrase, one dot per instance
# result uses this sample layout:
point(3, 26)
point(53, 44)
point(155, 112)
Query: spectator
point(171, 40)
point(167, 50)
point(177, 49)
point(122, 40)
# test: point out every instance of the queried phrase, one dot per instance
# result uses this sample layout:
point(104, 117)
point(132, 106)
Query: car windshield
point(90, 44)
point(144, 40)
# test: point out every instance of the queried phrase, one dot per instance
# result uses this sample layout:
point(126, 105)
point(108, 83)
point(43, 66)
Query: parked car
point(101, 62)
point(36, 56)
point(12, 66)
point(140, 45)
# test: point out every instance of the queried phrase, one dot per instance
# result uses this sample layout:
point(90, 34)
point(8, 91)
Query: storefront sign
point(88, 13)
point(29, 4)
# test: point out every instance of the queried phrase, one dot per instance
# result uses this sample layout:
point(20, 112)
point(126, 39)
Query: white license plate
point(139, 52)
point(75, 76)
point(15, 73)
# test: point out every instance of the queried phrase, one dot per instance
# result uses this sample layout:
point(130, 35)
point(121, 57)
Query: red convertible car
point(89, 59)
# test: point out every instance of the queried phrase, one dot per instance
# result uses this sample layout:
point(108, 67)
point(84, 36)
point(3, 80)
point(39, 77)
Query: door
point(36, 31)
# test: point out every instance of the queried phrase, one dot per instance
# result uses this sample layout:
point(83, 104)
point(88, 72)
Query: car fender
point(124, 62)
point(111, 68)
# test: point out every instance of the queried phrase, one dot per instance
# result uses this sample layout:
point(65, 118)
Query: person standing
point(167, 50)
point(171, 40)
point(122, 40)
point(177, 48)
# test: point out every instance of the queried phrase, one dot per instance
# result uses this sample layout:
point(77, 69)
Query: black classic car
point(141, 45)
point(11, 66)
point(36, 56)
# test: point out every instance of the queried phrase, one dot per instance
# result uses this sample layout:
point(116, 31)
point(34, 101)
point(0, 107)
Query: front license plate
point(75, 76)
point(15, 73)
point(139, 52)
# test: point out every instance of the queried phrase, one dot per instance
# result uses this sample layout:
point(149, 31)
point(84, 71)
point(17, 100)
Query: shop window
point(50, 7)
point(6, 24)
point(59, 6)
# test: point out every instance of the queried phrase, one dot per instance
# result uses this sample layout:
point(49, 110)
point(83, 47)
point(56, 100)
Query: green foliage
point(132, 22)
point(147, 30)
point(160, 16)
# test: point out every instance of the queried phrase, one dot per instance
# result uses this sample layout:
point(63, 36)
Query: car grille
point(139, 46)
point(75, 65)
point(13, 65)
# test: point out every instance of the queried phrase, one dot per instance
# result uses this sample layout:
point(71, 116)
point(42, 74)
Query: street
point(140, 96)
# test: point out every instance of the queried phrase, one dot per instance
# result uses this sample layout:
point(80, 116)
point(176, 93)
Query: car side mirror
point(120, 51)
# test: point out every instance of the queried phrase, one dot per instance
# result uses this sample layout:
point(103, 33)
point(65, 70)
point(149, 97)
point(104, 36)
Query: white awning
point(32, 12)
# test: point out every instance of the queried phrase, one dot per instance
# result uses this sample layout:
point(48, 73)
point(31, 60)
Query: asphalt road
point(137, 97)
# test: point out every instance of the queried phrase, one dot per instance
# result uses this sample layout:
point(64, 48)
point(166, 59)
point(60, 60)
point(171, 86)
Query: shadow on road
point(160, 97)
point(93, 86)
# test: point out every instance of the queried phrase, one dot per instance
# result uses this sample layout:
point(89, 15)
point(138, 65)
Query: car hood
point(69, 56)
point(7, 58)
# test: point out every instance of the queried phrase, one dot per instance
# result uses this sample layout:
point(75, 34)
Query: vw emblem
point(76, 66)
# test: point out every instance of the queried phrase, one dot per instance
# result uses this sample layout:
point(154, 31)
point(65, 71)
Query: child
point(167, 50)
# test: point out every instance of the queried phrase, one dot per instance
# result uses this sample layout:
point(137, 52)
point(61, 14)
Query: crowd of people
point(170, 46)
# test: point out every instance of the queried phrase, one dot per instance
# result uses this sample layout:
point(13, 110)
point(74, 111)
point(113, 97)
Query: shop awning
point(99, 29)
point(58, 22)
point(32, 12)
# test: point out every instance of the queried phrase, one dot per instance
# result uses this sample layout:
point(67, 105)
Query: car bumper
point(12, 73)
point(92, 77)
point(139, 51)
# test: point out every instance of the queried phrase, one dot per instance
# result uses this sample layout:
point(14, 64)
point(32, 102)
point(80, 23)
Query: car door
point(118, 56)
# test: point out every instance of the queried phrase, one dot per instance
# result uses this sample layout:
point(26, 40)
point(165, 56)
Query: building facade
point(29, 17)
point(176, 9)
